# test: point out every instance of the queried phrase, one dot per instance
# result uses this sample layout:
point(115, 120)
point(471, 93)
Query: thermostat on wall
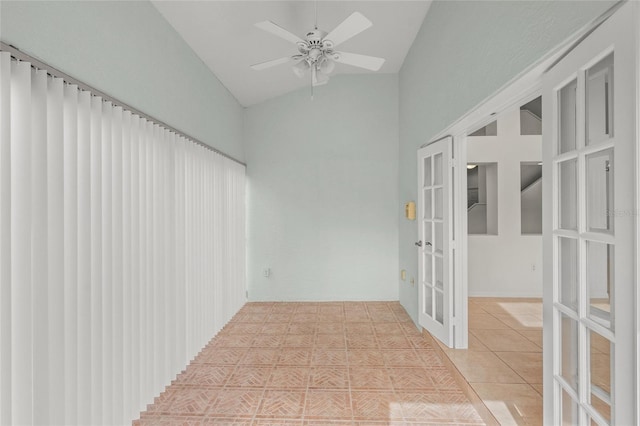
point(410, 210)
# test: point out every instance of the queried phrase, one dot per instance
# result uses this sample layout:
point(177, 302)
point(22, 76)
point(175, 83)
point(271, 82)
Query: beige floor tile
point(534, 335)
point(476, 345)
point(527, 364)
point(537, 387)
point(487, 304)
point(483, 367)
point(520, 321)
point(475, 308)
point(504, 359)
point(485, 322)
point(510, 403)
point(505, 341)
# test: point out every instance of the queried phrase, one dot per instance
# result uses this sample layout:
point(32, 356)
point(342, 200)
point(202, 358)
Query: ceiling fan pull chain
point(312, 85)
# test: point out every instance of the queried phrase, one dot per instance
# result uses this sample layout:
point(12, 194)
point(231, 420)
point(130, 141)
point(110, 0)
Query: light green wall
point(326, 189)
point(464, 52)
point(323, 182)
point(129, 51)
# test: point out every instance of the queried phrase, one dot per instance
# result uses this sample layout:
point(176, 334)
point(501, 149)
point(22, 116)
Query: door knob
point(419, 243)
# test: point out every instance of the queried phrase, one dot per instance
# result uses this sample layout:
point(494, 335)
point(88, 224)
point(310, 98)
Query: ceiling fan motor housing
point(314, 37)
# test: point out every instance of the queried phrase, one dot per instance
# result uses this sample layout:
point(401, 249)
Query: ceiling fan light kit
point(316, 52)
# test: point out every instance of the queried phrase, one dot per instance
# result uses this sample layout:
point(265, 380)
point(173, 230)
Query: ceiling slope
point(223, 35)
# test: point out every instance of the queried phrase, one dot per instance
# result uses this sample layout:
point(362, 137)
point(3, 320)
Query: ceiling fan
point(317, 51)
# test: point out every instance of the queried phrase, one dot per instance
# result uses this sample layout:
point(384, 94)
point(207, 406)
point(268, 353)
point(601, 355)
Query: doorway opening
point(503, 361)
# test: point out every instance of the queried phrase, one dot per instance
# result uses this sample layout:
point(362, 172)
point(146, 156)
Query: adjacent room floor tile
point(505, 341)
point(503, 365)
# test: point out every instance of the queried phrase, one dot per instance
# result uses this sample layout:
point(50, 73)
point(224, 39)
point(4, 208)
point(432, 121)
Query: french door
point(434, 248)
point(589, 234)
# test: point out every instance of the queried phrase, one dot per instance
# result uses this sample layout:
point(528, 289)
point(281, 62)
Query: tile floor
point(315, 363)
point(503, 364)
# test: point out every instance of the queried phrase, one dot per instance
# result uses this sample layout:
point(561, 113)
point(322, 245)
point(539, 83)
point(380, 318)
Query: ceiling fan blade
point(272, 63)
point(363, 61)
point(277, 30)
point(353, 25)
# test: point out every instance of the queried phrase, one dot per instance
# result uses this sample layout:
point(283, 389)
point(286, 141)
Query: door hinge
point(452, 162)
point(454, 244)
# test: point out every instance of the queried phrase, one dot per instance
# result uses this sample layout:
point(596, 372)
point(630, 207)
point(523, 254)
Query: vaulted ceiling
point(223, 35)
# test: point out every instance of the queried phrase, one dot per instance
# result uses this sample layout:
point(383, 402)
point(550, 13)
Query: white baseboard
point(506, 294)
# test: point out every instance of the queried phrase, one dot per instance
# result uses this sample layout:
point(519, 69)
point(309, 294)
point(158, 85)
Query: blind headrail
point(19, 55)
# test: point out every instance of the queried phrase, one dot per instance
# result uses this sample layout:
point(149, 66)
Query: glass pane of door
point(567, 117)
point(600, 281)
point(569, 351)
point(599, 102)
point(599, 169)
point(568, 194)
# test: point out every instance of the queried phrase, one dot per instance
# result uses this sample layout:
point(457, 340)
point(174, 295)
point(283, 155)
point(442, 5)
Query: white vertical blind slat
point(181, 346)
point(189, 258)
point(120, 252)
point(83, 318)
point(5, 238)
point(39, 246)
point(142, 220)
point(96, 263)
point(135, 266)
point(107, 266)
point(55, 249)
point(148, 218)
point(70, 169)
point(117, 313)
point(21, 270)
point(170, 319)
point(155, 327)
point(126, 263)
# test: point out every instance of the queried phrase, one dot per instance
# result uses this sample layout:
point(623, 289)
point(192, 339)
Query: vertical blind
point(121, 252)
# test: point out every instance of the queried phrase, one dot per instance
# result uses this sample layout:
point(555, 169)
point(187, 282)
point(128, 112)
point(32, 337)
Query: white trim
point(501, 294)
point(459, 222)
point(636, 13)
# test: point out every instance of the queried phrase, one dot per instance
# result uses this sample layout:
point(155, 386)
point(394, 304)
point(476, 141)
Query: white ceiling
point(223, 35)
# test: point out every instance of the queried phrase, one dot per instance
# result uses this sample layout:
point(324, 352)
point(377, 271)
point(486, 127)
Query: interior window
point(482, 198)
point(531, 198)
point(490, 129)
point(531, 117)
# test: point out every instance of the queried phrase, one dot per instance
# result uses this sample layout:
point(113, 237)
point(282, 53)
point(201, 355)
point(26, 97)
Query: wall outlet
point(267, 272)
point(533, 266)
point(412, 281)
point(403, 275)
